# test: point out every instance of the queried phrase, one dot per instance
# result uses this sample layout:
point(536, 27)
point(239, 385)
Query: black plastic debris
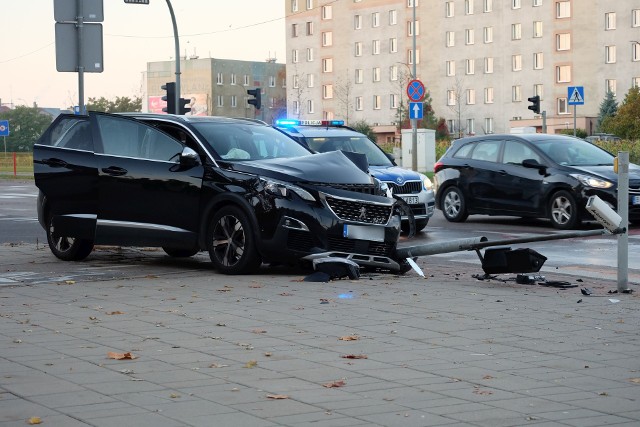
point(337, 268)
point(557, 284)
point(317, 276)
point(586, 291)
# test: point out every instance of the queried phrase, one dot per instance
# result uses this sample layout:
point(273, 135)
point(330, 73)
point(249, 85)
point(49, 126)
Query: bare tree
point(344, 95)
point(299, 90)
point(457, 107)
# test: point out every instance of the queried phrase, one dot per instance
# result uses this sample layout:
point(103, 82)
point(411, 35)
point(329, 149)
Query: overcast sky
point(251, 30)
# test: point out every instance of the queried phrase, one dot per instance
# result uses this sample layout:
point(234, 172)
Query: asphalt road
point(592, 257)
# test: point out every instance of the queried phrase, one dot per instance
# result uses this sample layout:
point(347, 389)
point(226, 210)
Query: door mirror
point(534, 164)
point(188, 157)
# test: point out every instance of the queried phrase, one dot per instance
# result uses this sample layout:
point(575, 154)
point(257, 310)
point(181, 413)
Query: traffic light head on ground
point(170, 97)
point(535, 104)
point(256, 101)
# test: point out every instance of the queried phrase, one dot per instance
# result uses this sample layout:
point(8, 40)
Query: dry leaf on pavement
point(349, 338)
point(34, 420)
point(635, 380)
point(277, 396)
point(114, 313)
point(251, 364)
point(339, 383)
point(121, 356)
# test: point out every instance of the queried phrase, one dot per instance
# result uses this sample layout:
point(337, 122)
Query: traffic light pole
point(177, 43)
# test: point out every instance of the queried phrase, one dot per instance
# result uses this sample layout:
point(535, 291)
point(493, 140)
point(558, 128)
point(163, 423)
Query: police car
point(330, 135)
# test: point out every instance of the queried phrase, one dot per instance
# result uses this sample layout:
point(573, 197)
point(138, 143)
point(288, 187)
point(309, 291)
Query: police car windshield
point(356, 144)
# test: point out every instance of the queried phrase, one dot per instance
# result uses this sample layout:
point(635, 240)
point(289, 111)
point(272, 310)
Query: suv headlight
point(283, 189)
point(592, 181)
point(426, 182)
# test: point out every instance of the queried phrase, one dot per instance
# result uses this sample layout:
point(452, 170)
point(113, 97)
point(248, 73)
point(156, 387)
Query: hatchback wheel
point(67, 248)
point(231, 243)
point(453, 205)
point(563, 211)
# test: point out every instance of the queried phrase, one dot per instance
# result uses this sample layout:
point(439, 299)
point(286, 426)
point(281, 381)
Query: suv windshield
point(356, 144)
point(248, 141)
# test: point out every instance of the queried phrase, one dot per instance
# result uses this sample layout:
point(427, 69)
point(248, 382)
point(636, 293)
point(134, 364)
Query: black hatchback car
point(239, 189)
point(529, 175)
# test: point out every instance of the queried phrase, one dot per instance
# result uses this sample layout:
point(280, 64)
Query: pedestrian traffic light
point(535, 104)
point(182, 106)
point(170, 97)
point(256, 97)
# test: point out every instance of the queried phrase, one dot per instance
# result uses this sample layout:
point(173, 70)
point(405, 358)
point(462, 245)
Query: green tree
point(122, 104)
point(626, 123)
point(363, 127)
point(608, 108)
point(26, 124)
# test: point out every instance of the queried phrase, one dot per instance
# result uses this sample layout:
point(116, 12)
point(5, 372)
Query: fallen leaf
point(259, 331)
point(217, 365)
point(267, 354)
point(251, 364)
point(349, 338)
point(255, 286)
point(34, 420)
point(277, 396)
point(121, 356)
point(635, 380)
point(225, 289)
point(174, 395)
point(482, 392)
point(93, 318)
point(114, 312)
point(339, 383)
point(286, 294)
point(354, 356)
point(487, 377)
point(69, 282)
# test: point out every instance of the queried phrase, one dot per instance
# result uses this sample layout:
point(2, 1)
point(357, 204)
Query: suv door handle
point(54, 163)
point(114, 171)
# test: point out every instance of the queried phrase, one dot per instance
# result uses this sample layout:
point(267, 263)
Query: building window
point(470, 66)
point(488, 65)
point(310, 80)
point(516, 4)
point(635, 82)
point(410, 28)
point(272, 81)
point(359, 75)
point(296, 82)
point(635, 18)
point(612, 86)
point(310, 108)
point(246, 79)
point(327, 65)
point(309, 28)
point(410, 3)
point(516, 94)
point(471, 126)
point(488, 125)
point(327, 38)
point(537, 29)
point(358, 48)
point(357, 22)
point(468, 7)
point(233, 80)
point(376, 102)
point(294, 56)
point(376, 74)
point(563, 41)
point(516, 31)
point(327, 91)
point(449, 9)
point(488, 34)
point(516, 62)
point(563, 107)
point(294, 5)
point(635, 51)
point(563, 74)
point(610, 21)
point(451, 126)
point(393, 101)
point(451, 68)
point(610, 54)
point(410, 56)
point(471, 96)
point(375, 47)
point(220, 101)
point(538, 61)
point(488, 95)
point(296, 107)
point(234, 101)
point(537, 90)
point(295, 32)
point(451, 38)
point(309, 4)
point(393, 17)
point(393, 45)
point(327, 12)
point(563, 9)
point(537, 3)
point(219, 79)
point(375, 19)
point(451, 97)
point(469, 36)
point(327, 115)
point(359, 105)
point(393, 73)
point(309, 54)
point(488, 6)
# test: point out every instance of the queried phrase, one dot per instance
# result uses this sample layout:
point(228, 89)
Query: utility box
point(426, 149)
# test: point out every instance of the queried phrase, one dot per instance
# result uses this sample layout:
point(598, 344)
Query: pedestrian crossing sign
point(575, 95)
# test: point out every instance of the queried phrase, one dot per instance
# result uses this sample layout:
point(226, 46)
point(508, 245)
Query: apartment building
point(479, 59)
point(218, 87)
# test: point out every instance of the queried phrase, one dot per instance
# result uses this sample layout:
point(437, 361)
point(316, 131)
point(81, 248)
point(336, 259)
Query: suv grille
point(359, 211)
point(360, 246)
point(408, 187)
point(358, 188)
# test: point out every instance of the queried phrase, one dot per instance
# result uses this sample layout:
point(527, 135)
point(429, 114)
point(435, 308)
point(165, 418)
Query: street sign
point(415, 90)
point(66, 10)
point(4, 127)
point(416, 110)
point(67, 48)
point(575, 95)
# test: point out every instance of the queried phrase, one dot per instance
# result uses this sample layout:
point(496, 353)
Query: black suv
point(239, 189)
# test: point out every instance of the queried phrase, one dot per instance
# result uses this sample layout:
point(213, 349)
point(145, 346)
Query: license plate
point(363, 232)
point(412, 200)
point(635, 200)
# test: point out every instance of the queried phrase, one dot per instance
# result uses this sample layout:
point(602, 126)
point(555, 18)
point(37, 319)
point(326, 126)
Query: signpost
point(575, 96)
point(415, 92)
point(416, 110)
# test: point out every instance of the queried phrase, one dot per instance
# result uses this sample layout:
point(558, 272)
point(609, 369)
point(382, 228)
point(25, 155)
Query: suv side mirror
point(534, 164)
point(188, 157)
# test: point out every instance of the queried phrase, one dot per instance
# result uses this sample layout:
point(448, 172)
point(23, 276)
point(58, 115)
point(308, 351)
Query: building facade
point(218, 87)
point(479, 59)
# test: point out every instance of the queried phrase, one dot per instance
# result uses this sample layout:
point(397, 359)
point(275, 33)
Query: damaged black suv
point(238, 189)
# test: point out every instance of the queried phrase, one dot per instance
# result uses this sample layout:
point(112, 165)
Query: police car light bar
point(293, 122)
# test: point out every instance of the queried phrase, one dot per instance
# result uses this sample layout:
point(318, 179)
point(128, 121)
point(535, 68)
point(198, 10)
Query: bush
point(633, 147)
point(580, 133)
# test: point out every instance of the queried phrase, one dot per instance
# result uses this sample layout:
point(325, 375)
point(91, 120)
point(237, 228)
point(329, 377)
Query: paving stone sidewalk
point(274, 350)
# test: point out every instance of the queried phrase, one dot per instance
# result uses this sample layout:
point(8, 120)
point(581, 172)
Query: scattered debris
point(337, 268)
point(251, 364)
point(121, 356)
point(613, 300)
point(354, 356)
point(349, 338)
point(277, 396)
point(34, 420)
point(586, 291)
point(334, 384)
point(318, 276)
point(413, 265)
point(560, 284)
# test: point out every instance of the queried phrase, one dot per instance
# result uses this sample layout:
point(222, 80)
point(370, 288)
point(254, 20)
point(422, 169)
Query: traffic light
point(182, 106)
point(170, 97)
point(535, 104)
point(256, 97)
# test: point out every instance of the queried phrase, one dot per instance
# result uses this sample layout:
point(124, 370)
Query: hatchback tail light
point(437, 166)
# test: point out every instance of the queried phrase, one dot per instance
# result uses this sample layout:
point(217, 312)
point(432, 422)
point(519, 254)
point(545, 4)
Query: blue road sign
point(575, 95)
point(4, 127)
point(415, 90)
point(416, 110)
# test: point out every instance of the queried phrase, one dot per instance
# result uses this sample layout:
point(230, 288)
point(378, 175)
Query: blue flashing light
point(287, 122)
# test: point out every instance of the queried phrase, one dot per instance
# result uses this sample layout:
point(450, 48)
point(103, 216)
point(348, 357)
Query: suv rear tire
point(563, 211)
point(67, 248)
point(231, 243)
